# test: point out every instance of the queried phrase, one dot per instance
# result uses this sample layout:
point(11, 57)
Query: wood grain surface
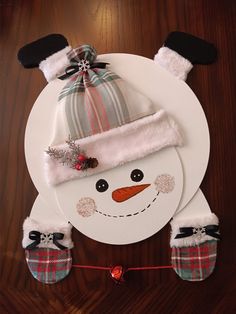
point(138, 27)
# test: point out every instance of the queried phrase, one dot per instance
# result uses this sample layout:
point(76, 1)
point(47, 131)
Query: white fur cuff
point(197, 223)
point(173, 62)
point(118, 146)
point(55, 65)
point(33, 225)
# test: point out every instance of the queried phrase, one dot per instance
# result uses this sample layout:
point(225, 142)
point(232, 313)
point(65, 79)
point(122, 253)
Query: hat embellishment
point(81, 67)
point(199, 232)
point(74, 158)
point(45, 238)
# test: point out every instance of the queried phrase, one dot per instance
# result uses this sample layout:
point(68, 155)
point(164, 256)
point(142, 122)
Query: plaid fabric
point(194, 263)
point(49, 265)
point(97, 108)
point(98, 100)
point(92, 78)
point(83, 52)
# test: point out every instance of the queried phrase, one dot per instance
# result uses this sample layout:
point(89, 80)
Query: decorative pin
point(46, 238)
point(74, 158)
point(84, 65)
point(199, 232)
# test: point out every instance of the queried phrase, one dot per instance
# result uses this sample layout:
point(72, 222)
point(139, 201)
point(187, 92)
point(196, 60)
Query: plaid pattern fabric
point(194, 263)
point(83, 52)
point(98, 108)
point(92, 78)
point(98, 100)
point(49, 265)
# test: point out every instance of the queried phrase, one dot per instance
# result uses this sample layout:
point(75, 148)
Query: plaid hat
point(108, 121)
point(101, 121)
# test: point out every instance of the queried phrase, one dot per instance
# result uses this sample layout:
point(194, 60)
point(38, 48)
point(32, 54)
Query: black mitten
point(49, 53)
point(181, 51)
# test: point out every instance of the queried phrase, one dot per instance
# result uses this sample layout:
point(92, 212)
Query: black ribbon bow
point(36, 237)
point(210, 230)
point(74, 68)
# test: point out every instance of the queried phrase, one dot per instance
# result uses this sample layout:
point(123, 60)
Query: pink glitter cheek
point(165, 183)
point(86, 207)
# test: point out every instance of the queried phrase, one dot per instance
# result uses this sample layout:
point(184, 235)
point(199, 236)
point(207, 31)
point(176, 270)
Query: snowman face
point(126, 204)
point(87, 206)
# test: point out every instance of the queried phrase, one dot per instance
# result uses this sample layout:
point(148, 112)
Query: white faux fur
point(118, 146)
point(201, 221)
point(173, 62)
point(33, 225)
point(55, 65)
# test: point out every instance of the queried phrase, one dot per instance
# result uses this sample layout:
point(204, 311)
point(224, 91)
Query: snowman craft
point(115, 167)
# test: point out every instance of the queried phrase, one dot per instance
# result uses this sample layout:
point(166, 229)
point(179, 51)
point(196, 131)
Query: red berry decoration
point(81, 158)
point(78, 167)
point(72, 157)
point(117, 273)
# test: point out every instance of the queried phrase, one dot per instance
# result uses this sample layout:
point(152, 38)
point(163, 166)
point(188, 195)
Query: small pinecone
point(89, 163)
point(92, 162)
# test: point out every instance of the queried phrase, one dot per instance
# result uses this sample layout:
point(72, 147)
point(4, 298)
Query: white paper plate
point(163, 89)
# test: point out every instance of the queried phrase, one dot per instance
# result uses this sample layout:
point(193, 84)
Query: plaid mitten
point(194, 246)
point(47, 250)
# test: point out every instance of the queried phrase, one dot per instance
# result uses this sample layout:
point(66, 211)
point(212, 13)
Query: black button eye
point(136, 175)
point(102, 185)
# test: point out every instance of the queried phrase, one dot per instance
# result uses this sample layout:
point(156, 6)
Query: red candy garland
point(117, 272)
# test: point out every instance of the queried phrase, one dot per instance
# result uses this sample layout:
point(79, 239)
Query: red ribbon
point(117, 272)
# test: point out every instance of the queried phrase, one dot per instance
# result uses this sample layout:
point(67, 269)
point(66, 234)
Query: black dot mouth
point(129, 215)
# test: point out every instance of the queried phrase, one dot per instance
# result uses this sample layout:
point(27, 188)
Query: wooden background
point(138, 27)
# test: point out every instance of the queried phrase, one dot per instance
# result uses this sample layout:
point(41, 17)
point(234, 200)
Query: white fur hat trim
point(129, 142)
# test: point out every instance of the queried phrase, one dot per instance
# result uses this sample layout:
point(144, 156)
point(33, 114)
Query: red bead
point(78, 167)
point(81, 158)
point(117, 273)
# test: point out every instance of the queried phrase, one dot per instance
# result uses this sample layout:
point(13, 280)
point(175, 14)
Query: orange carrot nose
point(123, 194)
